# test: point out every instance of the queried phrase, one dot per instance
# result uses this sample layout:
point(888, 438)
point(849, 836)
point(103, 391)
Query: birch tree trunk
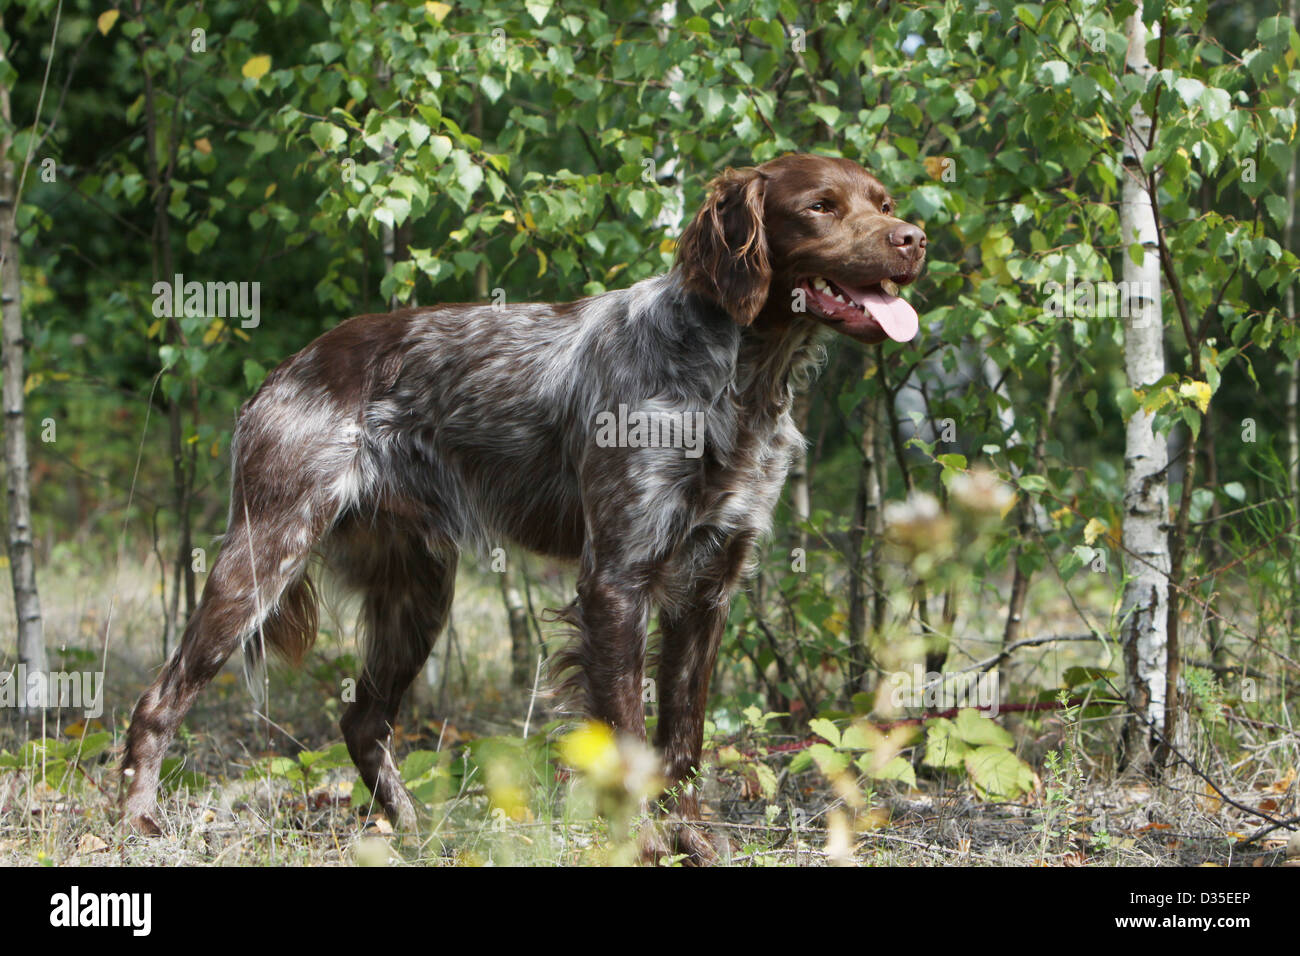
point(667, 165)
point(1144, 609)
point(22, 565)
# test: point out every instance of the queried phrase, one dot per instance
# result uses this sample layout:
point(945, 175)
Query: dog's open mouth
point(871, 313)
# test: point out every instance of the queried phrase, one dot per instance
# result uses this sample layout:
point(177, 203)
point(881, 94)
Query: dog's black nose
point(907, 235)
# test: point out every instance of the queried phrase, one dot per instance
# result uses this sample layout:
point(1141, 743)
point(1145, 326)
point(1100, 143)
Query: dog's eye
point(821, 205)
point(887, 207)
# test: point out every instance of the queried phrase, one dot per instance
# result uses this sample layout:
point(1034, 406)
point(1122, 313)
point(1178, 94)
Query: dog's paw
point(678, 840)
point(143, 822)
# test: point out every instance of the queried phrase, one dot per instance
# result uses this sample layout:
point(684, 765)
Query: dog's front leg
point(691, 635)
point(689, 649)
point(611, 649)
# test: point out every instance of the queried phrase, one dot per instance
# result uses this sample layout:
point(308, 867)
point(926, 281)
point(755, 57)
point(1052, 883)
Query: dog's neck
point(778, 354)
point(773, 356)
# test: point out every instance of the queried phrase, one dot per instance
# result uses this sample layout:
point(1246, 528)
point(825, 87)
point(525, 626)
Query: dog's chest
point(741, 487)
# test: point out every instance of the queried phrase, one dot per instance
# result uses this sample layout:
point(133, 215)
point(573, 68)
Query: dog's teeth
point(819, 284)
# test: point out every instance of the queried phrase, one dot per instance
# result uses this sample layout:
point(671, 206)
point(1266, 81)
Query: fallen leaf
point(89, 843)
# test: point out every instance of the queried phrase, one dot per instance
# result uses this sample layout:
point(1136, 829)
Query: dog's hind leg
point(407, 591)
point(280, 612)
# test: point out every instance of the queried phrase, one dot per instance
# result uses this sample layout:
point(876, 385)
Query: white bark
point(1144, 609)
point(667, 169)
point(22, 567)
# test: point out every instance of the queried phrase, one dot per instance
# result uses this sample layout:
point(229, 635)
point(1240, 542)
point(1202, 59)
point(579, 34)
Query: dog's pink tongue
point(891, 313)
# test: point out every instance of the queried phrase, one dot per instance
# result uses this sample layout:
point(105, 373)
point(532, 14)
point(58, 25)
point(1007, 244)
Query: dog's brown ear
point(723, 252)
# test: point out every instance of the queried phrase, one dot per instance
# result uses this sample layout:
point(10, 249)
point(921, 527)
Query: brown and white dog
point(394, 440)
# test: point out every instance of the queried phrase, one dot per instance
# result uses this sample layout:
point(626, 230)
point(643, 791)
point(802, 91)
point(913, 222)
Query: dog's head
point(805, 234)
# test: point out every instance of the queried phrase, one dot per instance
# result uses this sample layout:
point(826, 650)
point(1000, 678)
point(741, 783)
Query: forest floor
point(271, 786)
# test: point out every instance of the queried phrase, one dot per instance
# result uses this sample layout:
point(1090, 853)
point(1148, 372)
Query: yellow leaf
point(153, 329)
point(192, 440)
point(935, 165)
point(257, 67)
point(668, 246)
point(874, 819)
point(213, 332)
point(216, 449)
point(33, 381)
point(270, 191)
point(541, 263)
point(1198, 392)
point(508, 216)
point(529, 222)
point(1093, 530)
point(203, 145)
point(106, 20)
point(438, 11)
point(591, 748)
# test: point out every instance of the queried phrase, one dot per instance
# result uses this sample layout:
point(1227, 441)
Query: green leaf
point(201, 236)
point(1079, 675)
point(825, 728)
point(94, 745)
point(899, 768)
point(253, 374)
point(441, 147)
point(1034, 484)
point(976, 729)
point(830, 762)
point(859, 736)
point(327, 136)
point(1189, 90)
point(998, 772)
point(830, 115)
point(1054, 72)
point(943, 748)
point(417, 764)
point(1216, 103)
point(538, 9)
